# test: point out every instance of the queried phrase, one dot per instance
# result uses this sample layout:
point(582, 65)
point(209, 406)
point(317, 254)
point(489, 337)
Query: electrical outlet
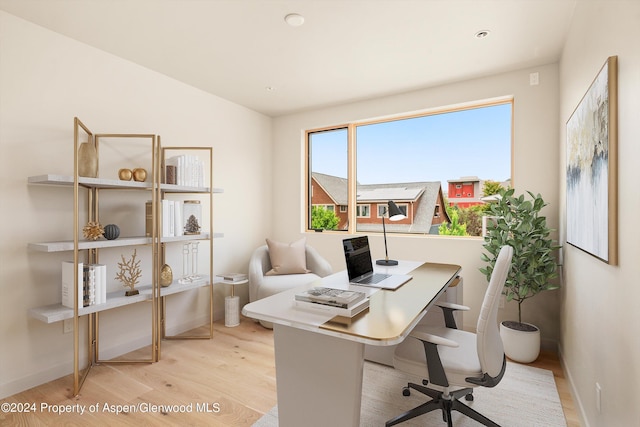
point(598, 397)
point(67, 326)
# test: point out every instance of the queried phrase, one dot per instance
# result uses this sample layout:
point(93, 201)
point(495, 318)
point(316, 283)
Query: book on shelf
point(233, 277)
point(340, 298)
point(348, 312)
point(186, 170)
point(92, 284)
point(172, 215)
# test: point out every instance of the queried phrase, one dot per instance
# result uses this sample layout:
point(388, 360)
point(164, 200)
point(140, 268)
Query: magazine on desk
point(336, 301)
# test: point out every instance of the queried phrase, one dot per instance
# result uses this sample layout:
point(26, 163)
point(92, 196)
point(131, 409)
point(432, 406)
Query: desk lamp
point(395, 214)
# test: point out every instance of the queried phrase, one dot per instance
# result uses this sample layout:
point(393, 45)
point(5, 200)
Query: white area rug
point(526, 397)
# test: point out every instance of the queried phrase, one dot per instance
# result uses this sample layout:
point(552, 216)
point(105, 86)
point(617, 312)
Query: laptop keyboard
point(373, 279)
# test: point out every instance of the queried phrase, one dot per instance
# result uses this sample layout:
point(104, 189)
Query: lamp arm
point(384, 232)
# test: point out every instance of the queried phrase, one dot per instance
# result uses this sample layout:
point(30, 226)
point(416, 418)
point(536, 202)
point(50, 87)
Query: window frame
point(351, 158)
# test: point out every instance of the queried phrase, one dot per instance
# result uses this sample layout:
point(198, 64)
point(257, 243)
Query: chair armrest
point(447, 310)
point(430, 342)
point(452, 306)
point(316, 263)
point(434, 339)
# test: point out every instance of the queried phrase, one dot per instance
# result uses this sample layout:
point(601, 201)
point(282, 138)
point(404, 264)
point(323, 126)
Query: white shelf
point(205, 235)
point(67, 245)
point(57, 312)
point(67, 180)
point(176, 287)
point(173, 188)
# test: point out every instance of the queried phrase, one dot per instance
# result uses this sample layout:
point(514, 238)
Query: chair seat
point(272, 285)
point(459, 362)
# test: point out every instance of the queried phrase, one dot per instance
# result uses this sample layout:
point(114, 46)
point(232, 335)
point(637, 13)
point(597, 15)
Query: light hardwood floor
point(226, 381)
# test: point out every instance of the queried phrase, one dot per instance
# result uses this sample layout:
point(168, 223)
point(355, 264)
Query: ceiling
point(346, 50)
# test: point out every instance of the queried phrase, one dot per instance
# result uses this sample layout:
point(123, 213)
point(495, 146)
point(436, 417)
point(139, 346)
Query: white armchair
point(262, 285)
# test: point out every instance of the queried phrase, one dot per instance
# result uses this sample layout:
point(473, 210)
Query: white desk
point(319, 362)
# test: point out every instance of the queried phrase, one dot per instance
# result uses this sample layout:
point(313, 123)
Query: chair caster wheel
point(406, 391)
point(469, 397)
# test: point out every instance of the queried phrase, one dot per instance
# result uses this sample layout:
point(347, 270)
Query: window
point(419, 159)
point(363, 211)
point(382, 209)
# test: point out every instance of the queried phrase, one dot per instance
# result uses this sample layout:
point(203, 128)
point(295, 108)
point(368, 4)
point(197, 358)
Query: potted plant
point(517, 222)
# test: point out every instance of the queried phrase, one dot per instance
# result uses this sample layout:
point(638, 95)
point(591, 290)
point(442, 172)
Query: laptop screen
point(357, 256)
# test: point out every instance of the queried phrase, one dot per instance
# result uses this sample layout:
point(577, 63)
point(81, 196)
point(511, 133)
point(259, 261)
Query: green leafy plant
point(517, 222)
point(455, 228)
point(323, 219)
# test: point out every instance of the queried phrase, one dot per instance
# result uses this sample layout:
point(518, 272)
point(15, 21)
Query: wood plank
point(234, 371)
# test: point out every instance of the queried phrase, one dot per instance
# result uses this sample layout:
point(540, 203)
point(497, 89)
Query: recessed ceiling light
point(294, 19)
point(269, 88)
point(482, 34)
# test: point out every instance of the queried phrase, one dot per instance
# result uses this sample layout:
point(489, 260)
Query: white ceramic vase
point(520, 346)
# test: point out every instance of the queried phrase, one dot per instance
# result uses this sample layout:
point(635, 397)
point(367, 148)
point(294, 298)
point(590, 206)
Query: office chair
point(453, 361)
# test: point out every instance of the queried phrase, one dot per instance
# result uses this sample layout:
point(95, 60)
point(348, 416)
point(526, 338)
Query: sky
point(438, 147)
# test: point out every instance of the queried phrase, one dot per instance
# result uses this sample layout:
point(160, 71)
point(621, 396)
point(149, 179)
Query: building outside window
point(422, 162)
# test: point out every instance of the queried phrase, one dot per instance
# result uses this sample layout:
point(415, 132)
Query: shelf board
point(57, 312)
point(67, 180)
point(173, 188)
point(67, 245)
point(177, 287)
point(187, 237)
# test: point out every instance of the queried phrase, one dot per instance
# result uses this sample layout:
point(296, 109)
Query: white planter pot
point(520, 346)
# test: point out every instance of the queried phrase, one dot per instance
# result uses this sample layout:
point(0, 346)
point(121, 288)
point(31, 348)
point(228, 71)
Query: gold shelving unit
point(89, 251)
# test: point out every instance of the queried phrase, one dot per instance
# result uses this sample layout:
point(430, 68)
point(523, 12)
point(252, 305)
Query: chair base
point(445, 403)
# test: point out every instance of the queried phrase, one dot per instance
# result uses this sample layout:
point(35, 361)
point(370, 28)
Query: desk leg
point(319, 379)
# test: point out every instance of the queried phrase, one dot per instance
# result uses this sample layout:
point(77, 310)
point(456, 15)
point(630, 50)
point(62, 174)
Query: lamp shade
point(395, 214)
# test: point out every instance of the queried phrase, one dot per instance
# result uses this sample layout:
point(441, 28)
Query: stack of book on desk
point(339, 302)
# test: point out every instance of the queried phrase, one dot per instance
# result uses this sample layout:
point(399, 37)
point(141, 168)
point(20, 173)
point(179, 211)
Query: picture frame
point(592, 168)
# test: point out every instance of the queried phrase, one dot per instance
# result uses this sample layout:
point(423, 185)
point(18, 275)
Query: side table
point(232, 303)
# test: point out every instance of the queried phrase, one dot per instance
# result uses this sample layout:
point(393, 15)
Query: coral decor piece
point(129, 273)
point(93, 230)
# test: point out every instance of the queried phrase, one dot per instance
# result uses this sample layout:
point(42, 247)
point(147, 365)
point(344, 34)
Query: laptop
point(360, 267)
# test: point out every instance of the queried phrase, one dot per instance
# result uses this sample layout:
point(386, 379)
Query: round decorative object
point(93, 230)
point(166, 276)
point(111, 231)
point(125, 174)
point(87, 160)
point(139, 174)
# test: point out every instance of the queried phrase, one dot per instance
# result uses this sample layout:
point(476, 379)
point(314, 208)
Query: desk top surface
point(391, 314)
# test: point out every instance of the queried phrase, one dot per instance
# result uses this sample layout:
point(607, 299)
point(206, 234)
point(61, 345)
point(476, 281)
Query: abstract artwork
point(592, 171)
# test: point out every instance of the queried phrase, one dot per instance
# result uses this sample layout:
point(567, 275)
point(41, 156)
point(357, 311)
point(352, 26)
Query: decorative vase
point(111, 231)
point(87, 160)
point(125, 174)
point(139, 174)
point(522, 344)
point(166, 276)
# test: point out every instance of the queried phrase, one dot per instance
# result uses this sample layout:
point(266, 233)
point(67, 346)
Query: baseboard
point(574, 392)
point(55, 372)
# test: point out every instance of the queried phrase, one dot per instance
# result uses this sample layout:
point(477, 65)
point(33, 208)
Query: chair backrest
point(490, 349)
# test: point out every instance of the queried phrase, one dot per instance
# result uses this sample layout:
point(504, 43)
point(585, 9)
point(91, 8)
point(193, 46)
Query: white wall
point(600, 316)
point(536, 169)
point(47, 79)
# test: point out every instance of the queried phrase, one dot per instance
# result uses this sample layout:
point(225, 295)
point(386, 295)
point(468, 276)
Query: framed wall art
point(592, 168)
